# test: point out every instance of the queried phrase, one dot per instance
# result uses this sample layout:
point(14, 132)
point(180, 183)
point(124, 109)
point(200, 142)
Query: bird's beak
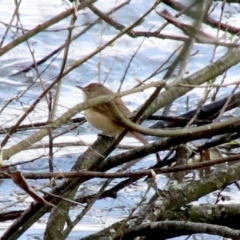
point(82, 88)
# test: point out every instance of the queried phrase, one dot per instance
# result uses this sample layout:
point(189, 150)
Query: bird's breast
point(103, 123)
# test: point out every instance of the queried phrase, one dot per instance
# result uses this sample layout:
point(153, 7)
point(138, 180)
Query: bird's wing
point(122, 107)
point(107, 109)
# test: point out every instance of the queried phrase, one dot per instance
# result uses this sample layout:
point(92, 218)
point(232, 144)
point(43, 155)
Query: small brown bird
point(102, 116)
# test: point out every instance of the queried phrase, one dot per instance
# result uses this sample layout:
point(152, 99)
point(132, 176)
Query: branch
point(169, 229)
point(42, 27)
point(7, 153)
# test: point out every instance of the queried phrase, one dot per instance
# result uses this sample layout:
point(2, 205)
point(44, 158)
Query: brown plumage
point(102, 116)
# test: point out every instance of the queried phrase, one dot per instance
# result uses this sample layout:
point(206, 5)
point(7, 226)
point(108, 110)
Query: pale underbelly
point(102, 123)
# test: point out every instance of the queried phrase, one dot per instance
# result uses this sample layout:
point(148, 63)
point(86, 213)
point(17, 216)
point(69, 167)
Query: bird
point(102, 116)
